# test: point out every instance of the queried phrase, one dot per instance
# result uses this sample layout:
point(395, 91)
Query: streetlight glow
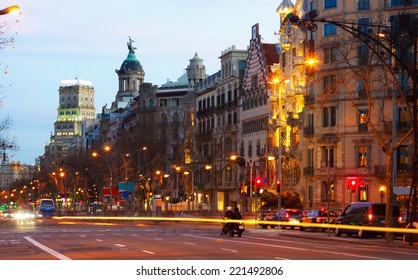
point(11, 10)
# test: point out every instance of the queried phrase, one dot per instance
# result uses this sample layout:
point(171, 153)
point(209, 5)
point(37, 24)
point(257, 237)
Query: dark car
point(292, 217)
point(405, 219)
point(365, 214)
point(318, 218)
point(266, 217)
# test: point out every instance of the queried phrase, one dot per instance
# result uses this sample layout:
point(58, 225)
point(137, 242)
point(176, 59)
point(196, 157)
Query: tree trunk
point(389, 194)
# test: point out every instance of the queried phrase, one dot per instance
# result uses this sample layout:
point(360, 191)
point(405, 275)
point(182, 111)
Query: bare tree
point(366, 78)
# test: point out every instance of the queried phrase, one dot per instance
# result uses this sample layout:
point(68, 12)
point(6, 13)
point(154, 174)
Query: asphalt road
point(83, 240)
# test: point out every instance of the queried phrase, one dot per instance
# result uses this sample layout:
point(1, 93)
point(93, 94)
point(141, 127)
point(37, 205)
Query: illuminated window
point(403, 158)
point(324, 191)
point(363, 193)
point(363, 113)
point(362, 156)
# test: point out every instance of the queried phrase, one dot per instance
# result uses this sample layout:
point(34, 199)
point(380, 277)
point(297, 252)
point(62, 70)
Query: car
point(365, 214)
point(404, 221)
point(292, 217)
point(318, 217)
point(267, 216)
point(7, 214)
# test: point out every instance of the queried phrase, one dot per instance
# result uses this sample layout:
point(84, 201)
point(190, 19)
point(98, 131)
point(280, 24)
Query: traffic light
point(278, 185)
point(352, 186)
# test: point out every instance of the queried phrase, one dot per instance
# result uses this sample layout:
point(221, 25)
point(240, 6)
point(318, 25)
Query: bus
point(45, 208)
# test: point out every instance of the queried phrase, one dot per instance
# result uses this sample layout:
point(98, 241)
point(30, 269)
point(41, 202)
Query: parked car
point(405, 219)
point(265, 217)
point(318, 217)
point(291, 216)
point(365, 214)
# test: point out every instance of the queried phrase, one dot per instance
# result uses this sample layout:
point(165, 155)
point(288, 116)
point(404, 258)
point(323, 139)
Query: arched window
point(228, 173)
point(176, 119)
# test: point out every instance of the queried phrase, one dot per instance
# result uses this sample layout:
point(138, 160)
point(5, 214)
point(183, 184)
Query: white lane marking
point(46, 249)
point(156, 238)
point(148, 252)
point(119, 245)
point(293, 248)
point(189, 243)
point(82, 235)
point(99, 240)
point(229, 250)
point(279, 258)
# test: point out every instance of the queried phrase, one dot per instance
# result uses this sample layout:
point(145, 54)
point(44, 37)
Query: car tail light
point(287, 216)
point(370, 215)
point(400, 219)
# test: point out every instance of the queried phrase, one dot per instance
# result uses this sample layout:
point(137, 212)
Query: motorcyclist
point(228, 215)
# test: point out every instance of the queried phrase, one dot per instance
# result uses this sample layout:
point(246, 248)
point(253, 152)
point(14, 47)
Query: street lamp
point(251, 163)
point(382, 191)
point(13, 10)
point(110, 178)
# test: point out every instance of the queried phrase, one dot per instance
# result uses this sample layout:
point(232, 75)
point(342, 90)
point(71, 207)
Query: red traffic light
point(278, 182)
point(258, 181)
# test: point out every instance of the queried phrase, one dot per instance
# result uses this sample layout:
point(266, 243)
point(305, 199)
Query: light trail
point(99, 221)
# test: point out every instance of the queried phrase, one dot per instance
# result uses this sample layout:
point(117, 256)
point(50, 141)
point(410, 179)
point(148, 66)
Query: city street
point(53, 239)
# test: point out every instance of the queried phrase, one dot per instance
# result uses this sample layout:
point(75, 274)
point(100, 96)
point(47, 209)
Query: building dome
point(131, 63)
point(196, 60)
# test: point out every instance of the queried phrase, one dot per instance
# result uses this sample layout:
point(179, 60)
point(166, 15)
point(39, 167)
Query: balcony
point(363, 127)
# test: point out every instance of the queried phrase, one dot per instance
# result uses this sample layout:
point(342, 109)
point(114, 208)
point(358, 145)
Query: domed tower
point(131, 76)
point(196, 71)
point(285, 8)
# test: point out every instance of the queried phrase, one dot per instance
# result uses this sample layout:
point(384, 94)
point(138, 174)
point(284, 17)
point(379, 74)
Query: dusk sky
point(62, 40)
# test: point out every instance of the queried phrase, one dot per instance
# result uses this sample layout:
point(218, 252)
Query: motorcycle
point(230, 228)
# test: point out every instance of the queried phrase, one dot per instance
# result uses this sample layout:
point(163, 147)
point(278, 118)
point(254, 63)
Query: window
point(330, 82)
point(363, 54)
point(362, 119)
point(250, 149)
point(362, 156)
point(330, 4)
point(329, 54)
point(403, 158)
point(325, 115)
point(403, 119)
point(363, 5)
point(363, 26)
point(330, 29)
point(327, 156)
point(324, 191)
point(329, 116)
point(363, 193)
point(228, 173)
point(258, 148)
point(363, 113)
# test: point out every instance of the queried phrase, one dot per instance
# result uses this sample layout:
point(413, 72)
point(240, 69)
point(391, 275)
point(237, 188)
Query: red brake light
point(287, 215)
point(370, 216)
point(400, 219)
